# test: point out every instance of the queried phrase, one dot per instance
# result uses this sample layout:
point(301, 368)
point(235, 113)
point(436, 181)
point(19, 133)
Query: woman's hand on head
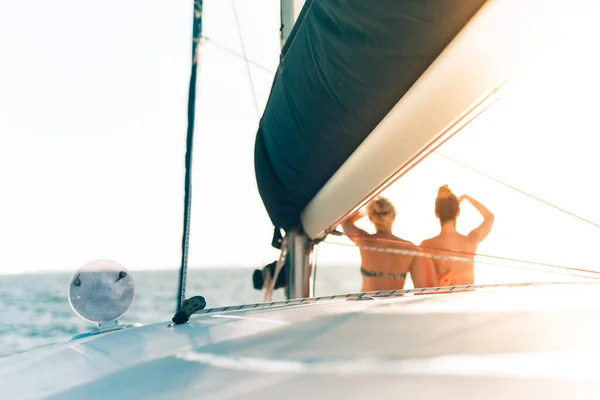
point(357, 215)
point(360, 214)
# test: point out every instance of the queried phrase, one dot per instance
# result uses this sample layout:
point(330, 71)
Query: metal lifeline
point(383, 294)
point(550, 268)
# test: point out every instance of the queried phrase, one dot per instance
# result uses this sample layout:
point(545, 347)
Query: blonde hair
point(381, 212)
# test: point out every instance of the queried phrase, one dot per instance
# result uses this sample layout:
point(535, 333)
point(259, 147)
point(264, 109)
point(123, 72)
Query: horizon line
point(164, 269)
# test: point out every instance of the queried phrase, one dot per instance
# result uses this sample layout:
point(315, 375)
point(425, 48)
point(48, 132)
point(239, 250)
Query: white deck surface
point(517, 343)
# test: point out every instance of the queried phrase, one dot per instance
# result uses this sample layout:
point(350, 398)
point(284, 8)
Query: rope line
point(238, 55)
point(556, 269)
point(189, 150)
point(245, 56)
point(466, 253)
point(269, 282)
point(518, 190)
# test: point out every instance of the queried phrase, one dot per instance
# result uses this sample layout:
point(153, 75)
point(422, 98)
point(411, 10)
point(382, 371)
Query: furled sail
point(344, 67)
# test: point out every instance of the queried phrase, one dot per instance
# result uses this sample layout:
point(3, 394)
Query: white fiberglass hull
point(512, 342)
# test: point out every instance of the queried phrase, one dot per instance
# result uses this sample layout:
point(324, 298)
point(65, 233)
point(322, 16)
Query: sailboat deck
point(504, 343)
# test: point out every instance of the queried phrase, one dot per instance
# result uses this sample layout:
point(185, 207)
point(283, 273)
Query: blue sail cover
point(344, 66)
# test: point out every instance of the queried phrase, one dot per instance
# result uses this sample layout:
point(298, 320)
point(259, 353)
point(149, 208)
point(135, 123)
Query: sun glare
point(539, 138)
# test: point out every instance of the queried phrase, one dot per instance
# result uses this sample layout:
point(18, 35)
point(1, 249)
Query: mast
point(301, 271)
point(187, 202)
point(287, 19)
point(290, 9)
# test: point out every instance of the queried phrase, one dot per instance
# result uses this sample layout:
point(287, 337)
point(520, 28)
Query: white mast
point(301, 248)
point(290, 9)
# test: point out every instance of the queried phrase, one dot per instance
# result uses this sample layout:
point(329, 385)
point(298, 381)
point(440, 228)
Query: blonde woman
point(382, 270)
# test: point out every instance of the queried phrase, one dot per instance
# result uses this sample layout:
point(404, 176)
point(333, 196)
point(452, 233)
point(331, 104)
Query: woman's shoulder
point(430, 243)
point(430, 240)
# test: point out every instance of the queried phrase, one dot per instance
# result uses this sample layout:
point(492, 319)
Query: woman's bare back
point(383, 262)
point(454, 245)
point(383, 270)
point(451, 243)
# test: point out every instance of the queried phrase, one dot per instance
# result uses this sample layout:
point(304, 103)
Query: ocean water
point(35, 310)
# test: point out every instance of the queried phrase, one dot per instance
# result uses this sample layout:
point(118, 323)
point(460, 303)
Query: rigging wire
point(236, 54)
point(470, 254)
point(517, 189)
point(245, 56)
point(187, 202)
point(415, 253)
point(386, 293)
point(187, 205)
point(559, 269)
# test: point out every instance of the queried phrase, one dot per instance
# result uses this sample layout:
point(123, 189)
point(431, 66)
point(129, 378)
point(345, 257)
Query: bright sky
point(93, 105)
point(93, 101)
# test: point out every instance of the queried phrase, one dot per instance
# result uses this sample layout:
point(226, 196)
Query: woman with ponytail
point(451, 243)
